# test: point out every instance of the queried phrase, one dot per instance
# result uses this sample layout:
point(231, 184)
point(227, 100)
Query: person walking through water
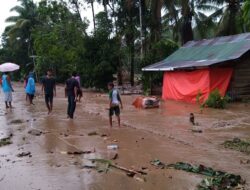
point(49, 90)
point(114, 102)
point(79, 90)
point(31, 88)
point(71, 92)
point(7, 90)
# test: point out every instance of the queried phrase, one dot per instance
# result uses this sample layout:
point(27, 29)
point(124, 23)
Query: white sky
point(5, 12)
point(6, 5)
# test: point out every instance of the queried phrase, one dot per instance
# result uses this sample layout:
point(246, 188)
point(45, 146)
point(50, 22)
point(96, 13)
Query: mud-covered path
point(163, 133)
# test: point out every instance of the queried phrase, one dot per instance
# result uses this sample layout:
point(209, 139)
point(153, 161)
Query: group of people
point(72, 91)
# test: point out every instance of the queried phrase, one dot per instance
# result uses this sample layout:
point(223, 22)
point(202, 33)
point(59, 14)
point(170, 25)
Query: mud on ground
point(166, 134)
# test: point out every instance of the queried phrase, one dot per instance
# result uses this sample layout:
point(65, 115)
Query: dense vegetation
point(127, 35)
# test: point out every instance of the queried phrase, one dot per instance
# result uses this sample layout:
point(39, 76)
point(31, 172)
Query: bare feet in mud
point(49, 112)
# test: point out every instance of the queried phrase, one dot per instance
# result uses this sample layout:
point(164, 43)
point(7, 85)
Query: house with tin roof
point(199, 67)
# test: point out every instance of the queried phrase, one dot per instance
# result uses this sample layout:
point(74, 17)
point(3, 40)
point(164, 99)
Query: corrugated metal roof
point(203, 53)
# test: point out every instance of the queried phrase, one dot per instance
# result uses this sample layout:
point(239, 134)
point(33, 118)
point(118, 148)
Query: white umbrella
point(8, 67)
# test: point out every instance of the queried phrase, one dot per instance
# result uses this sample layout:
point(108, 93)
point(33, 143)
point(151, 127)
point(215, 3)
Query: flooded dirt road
point(145, 135)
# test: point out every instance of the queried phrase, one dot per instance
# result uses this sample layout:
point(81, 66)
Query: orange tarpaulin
point(185, 85)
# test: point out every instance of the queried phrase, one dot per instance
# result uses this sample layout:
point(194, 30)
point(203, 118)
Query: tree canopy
point(126, 36)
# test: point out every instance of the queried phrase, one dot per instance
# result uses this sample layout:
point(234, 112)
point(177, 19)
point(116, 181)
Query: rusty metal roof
point(204, 53)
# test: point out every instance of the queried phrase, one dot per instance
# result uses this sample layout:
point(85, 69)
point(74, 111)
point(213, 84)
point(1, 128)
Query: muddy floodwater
point(49, 160)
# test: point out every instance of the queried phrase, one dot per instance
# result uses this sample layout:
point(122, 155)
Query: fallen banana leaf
point(216, 180)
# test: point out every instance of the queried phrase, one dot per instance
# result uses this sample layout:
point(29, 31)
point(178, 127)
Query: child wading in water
point(114, 102)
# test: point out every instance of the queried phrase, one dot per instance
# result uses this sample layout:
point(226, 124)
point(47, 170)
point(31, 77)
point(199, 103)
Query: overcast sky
point(6, 5)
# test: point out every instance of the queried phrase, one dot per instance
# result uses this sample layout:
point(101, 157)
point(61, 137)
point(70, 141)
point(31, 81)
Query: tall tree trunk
point(186, 28)
point(130, 38)
point(156, 27)
point(93, 13)
point(144, 25)
point(77, 7)
point(141, 29)
point(132, 62)
point(234, 7)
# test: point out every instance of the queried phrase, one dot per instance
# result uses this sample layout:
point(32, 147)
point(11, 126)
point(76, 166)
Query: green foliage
point(160, 50)
point(55, 32)
point(246, 13)
point(198, 98)
point(215, 100)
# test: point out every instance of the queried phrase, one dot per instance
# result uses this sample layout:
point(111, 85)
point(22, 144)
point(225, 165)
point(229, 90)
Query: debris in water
point(89, 166)
point(93, 133)
point(1, 179)
point(79, 152)
point(215, 180)
point(113, 156)
point(238, 144)
point(35, 132)
point(196, 130)
point(5, 141)
point(140, 179)
point(144, 168)
point(16, 121)
point(112, 147)
point(24, 154)
point(245, 161)
point(130, 174)
point(158, 164)
point(222, 124)
point(109, 163)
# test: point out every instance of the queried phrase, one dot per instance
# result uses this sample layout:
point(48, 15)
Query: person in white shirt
point(114, 104)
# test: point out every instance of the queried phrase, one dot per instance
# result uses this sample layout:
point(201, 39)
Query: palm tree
point(187, 16)
point(155, 21)
point(22, 24)
point(230, 22)
point(25, 19)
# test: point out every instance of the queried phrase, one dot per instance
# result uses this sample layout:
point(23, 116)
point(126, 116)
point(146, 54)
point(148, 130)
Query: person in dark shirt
point(71, 92)
point(49, 90)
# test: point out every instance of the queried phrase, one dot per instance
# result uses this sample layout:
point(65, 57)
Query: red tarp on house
point(185, 85)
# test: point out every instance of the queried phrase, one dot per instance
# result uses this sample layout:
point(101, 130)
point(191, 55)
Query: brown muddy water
point(163, 133)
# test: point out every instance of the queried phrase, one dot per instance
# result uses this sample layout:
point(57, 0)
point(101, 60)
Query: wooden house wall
point(240, 84)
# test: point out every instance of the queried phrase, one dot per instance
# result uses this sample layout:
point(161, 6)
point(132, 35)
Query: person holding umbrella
point(6, 82)
point(7, 90)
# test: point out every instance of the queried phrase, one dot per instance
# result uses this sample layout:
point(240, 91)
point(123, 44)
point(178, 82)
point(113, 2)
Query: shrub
point(215, 100)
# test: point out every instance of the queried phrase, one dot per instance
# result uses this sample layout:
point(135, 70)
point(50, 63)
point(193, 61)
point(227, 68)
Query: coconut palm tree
point(24, 21)
point(19, 32)
point(187, 16)
point(230, 14)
